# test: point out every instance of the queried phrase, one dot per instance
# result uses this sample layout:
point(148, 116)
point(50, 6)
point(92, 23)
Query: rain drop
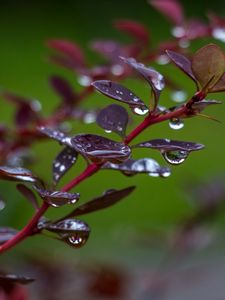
point(178, 31)
point(175, 157)
point(84, 80)
point(89, 118)
point(108, 131)
point(117, 70)
point(162, 59)
point(76, 241)
point(165, 174)
point(140, 111)
point(219, 34)
point(2, 204)
point(176, 124)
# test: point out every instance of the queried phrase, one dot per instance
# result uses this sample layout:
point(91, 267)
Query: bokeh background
point(127, 235)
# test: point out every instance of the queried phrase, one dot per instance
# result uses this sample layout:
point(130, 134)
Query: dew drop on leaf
point(175, 157)
point(139, 111)
point(176, 124)
point(76, 241)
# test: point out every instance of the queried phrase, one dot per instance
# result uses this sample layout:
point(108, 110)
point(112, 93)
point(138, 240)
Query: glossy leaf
point(55, 134)
point(17, 174)
point(12, 278)
point(63, 162)
point(99, 149)
point(201, 105)
point(113, 118)
point(28, 194)
point(219, 86)
point(6, 233)
point(172, 9)
point(69, 49)
point(57, 198)
point(109, 198)
point(143, 165)
point(181, 62)
point(119, 92)
point(65, 91)
point(154, 78)
point(168, 145)
point(135, 29)
point(208, 65)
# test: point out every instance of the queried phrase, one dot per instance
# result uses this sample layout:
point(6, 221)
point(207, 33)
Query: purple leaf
point(154, 78)
point(109, 198)
point(28, 194)
point(181, 62)
point(17, 174)
point(120, 93)
point(169, 8)
point(57, 198)
point(143, 165)
point(62, 87)
point(55, 134)
point(68, 49)
point(100, 149)
point(113, 118)
point(201, 105)
point(135, 29)
point(6, 234)
point(12, 278)
point(110, 49)
point(63, 162)
point(73, 232)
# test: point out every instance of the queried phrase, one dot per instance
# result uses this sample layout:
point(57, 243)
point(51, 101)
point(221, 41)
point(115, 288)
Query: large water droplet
point(219, 34)
point(89, 118)
point(178, 96)
point(76, 241)
point(108, 131)
point(178, 31)
point(176, 124)
point(140, 111)
point(175, 157)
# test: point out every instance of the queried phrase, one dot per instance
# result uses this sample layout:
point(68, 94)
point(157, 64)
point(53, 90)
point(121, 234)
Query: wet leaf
point(57, 198)
point(12, 278)
point(201, 105)
point(16, 174)
point(28, 194)
point(172, 9)
point(154, 78)
point(208, 65)
point(63, 162)
point(113, 118)
point(135, 29)
point(6, 233)
point(68, 49)
point(63, 88)
point(219, 86)
point(55, 134)
point(181, 62)
point(120, 93)
point(109, 198)
point(99, 149)
point(143, 165)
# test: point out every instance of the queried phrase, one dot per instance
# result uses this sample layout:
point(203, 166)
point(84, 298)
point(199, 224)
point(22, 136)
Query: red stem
point(90, 170)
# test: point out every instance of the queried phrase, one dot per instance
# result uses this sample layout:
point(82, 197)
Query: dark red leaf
point(16, 174)
point(113, 118)
point(57, 198)
point(63, 162)
point(219, 86)
point(100, 149)
point(28, 194)
point(169, 8)
point(181, 62)
point(109, 198)
point(135, 29)
point(120, 93)
point(201, 105)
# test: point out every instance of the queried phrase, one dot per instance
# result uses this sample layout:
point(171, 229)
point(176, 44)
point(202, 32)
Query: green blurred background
point(157, 204)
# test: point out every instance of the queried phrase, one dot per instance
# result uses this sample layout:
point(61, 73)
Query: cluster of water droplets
point(176, 123)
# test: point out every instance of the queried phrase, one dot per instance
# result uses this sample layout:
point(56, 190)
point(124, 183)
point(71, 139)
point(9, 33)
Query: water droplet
point(178, 96)
point(165, 174)
point(84, 80)
point(76, 241)
point(108, 131)
point(178, 31)
point(153, 174)
point(176, 124)
point(36, 105)
point(162, 59)
point(2, 205)
point(183, 43)
point(140, 111)
point(219, 34)
point(117, 70)
point(89, 118)
point(175, 157)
